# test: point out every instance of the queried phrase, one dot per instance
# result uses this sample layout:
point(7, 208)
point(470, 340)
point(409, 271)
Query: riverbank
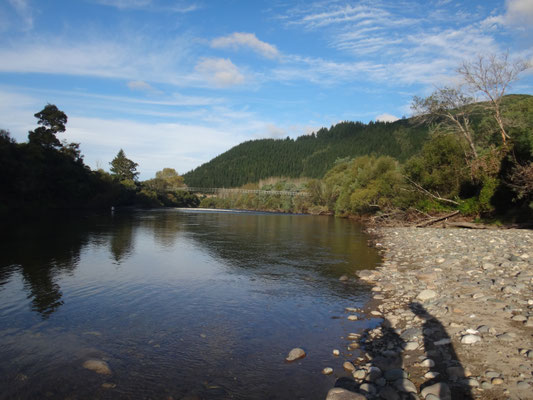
point(457, 310)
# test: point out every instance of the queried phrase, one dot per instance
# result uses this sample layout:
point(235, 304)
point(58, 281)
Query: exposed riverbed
point(457, 317)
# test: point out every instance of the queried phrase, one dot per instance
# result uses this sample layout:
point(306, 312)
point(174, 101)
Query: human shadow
point(384, 375)
point(439, 348)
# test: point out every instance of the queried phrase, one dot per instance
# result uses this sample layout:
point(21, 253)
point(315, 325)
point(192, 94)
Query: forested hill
point(309, 155)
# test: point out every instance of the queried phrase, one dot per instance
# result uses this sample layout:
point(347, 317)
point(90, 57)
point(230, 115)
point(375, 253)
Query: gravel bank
point(457, 309)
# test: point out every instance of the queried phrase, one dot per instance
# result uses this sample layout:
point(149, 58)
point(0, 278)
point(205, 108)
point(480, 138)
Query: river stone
point(343, 394)
point(427, 294)
point(442, 342)
point(348, 366)
point(98, 366)
point(470, 339)
point(359, 374)
point(395, 374)
point(405, 385)
point(522, 385)
point(388, 393)
point(327, 371)
point(336, 352)
point(428, 362)
point(368, 388)
point(440, 390)
point(409, 346)
point(496, 381)
point(352, 317)
point(295, 354)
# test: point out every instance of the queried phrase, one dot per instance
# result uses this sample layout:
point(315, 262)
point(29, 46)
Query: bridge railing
point(240, 191)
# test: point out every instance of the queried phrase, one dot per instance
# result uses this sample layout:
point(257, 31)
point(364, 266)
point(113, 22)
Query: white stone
point(295, 354)
point(327, 371)
point(470, 339)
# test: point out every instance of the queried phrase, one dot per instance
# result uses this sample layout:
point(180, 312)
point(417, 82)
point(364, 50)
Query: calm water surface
point(181, 304)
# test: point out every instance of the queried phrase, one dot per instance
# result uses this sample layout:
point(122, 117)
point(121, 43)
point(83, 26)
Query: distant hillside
point(313, 155)
point(309, 155)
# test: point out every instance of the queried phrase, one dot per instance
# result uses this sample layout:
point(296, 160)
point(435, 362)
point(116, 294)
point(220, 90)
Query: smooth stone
point(374, 373)
point(492, 374)
point(405, 385)
point(409, 346)
point(395, 374)
point(496, 381)
point(108, 385)
point(519, 318)
point(359, 374)
point(428, 362)
point(295, 354)
point(472, 382)
point(470, 339)
point(352, 309)
point(432, 397)
point(98, 366)
point(353, 317)
point(440, 389)
point(327, 371)
point(486, 385)
point(389, 393)
point(343, 278)
point(343, 394)
point(348, 366)
point(523, 385)
point(431, 375)
point(368, 388)
point(442, 342)
point(336, 352)
point(427, 294)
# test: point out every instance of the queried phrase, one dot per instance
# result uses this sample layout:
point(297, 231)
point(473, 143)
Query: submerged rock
point(98, 366)
point(295, 354)
point(343, 394)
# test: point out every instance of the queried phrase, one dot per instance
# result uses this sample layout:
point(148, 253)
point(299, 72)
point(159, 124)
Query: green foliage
point(123, 168)
point(309, 155)
point(53, 121)
point(440, 167)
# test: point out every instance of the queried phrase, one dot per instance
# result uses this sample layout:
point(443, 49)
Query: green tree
point(52, 121)
point(122, 168)
point(170, 176)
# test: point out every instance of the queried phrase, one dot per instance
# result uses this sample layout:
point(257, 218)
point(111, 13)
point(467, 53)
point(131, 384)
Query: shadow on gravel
point(384, 377)
point(447, 366)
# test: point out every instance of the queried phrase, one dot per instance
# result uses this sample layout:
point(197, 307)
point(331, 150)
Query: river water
point(180, 304)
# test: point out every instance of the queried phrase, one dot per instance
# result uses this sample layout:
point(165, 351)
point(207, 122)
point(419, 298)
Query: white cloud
point(220, 72)
point(240, 39)
point(519, 12)
point(386, 118)
point(142, 86)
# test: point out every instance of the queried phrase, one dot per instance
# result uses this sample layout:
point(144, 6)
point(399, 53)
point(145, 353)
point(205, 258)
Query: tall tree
point(491, 76)
point(123, 168)
point(451, 109)
point(52, 121)
point(170, 176)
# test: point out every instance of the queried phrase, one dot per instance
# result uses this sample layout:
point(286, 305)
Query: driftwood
point(437, 219)
point(468, 225)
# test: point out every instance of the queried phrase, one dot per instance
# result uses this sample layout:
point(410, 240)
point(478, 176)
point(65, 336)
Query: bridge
point(221, 191)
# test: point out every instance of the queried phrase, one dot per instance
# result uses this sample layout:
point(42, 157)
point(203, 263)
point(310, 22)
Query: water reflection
point(202, 304)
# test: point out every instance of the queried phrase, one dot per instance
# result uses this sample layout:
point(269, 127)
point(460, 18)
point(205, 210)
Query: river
point(180, 304)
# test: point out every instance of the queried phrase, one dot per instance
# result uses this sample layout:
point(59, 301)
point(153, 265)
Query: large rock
point(98, 366)
point(405, 385)
point(295, 354)
point(343, 394)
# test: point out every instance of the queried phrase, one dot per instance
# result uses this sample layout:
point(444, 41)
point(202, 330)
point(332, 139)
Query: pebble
point(427, 294)
point(486, 385)
point(431, 374)
point(353, 317)
point(336, 352)
point(348, 366)
point(327, 371)
point(409, 346)
point(359, 374)
point(523, 385)
point(405, 385)
point(295, 354)
point(496, 381)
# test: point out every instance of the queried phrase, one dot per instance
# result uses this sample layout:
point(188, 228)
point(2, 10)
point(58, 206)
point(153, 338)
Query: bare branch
point(428, 193)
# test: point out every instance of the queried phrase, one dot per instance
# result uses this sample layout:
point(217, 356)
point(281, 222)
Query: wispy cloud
point(149, 5)
point(143, 87)
point(25, 12)
point(240, 39)
point(385, 117)
point(220, 72)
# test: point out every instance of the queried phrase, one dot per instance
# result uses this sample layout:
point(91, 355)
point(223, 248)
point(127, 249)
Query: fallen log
point(468, 225)
point(437, 219)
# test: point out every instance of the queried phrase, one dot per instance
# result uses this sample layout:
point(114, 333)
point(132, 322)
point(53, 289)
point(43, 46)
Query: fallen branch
point(437, 219)
point(427, 192)
point(468, 225)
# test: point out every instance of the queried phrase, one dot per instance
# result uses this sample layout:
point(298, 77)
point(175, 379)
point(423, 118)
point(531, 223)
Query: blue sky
point(175, 83)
